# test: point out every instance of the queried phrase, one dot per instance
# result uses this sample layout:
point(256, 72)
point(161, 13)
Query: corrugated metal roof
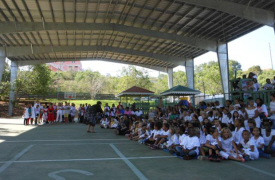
point(169, 16)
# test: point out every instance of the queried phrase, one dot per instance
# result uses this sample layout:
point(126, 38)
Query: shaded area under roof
point(179, 91)
point(135, 91)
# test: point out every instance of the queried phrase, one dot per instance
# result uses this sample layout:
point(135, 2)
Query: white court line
point(8, 163)
point(54, 140)
point(131, 166)
point(74, 144)
point(93, 159)
point(255, 169)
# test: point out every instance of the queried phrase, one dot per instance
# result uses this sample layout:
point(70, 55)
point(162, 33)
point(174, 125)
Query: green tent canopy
point(180, 91)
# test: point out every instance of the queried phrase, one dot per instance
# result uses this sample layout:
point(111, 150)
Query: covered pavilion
point(155, 34)
point(136, 92)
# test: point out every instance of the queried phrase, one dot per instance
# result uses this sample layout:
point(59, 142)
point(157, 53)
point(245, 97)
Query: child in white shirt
point(247, 147)
point(173, 141)
point(229, 148)
point(190, 145)
point(104, 123)
point(259, 142)
point(162, 137)
point(213, 143)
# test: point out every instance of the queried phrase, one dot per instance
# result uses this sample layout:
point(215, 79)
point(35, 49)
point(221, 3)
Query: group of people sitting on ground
point(238, 131)
point(49, 113)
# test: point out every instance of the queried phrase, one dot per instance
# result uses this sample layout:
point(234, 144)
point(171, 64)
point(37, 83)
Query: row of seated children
point(189, 140)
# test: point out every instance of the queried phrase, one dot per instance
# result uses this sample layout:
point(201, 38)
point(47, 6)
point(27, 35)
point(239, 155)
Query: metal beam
point(170, 77)
point(15, 27)
point(34, 62)
point(222, 53)
point(258, 15)
point(18, 51)
point(189, 68)
point(14, 69)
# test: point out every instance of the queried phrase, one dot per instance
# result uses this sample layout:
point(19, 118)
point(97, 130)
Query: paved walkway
point(66, 151)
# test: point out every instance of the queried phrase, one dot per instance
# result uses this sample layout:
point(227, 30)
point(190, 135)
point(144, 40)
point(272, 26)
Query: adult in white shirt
point(252, 113)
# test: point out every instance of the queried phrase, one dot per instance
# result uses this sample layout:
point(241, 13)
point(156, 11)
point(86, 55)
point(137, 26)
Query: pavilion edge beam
point(258, 15)
point(15, 27)
point(18, 51)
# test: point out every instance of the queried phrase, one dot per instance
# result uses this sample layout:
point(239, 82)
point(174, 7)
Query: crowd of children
point(49, 113)
point(238, 131)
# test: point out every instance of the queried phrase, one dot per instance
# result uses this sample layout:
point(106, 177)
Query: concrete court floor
point(66, 151)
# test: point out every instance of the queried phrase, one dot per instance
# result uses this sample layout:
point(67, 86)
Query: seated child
point(113, 123)
point(259, 142)
point(190, 145)
point(162, 137)
point(229, 148)
point(213, 143)
point(155, 132)
point(247, 147)
point(104, 123)
point(173, 141)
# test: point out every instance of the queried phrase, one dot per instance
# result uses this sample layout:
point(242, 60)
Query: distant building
point(65, 66)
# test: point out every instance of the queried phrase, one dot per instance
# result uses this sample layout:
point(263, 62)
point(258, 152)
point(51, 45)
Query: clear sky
point(251, 49)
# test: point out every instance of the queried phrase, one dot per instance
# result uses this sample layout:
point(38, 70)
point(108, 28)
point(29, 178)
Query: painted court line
point(8, 163)
point(53, 140)
point(75, 144)
point(131, 166)
point(254, 169)
point(93, 159)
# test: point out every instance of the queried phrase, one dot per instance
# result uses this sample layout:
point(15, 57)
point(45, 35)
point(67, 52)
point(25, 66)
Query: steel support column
point(170, 77)
point(222, 53)
point(14, 69)
point(189, 68)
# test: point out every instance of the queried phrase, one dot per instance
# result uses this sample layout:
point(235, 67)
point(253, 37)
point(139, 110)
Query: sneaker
point(171, 151)
point(187, 158)
point(246, 158)
point(154, 148)
point(202, 158)
point(210, 157)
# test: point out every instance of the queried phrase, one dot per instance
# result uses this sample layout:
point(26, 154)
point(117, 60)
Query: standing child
point(213, 142)
point(26, 114)
point(37, 112)
point(45, 114)
point(247, 147)
point(229, 146)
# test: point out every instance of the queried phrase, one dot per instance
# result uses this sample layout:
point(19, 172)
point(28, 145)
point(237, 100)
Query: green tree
point(41, 79)
point(5, 84)
point(267, 74)
point(179, 78)
point(255, 69)
point(130, 76)
point(208, 74)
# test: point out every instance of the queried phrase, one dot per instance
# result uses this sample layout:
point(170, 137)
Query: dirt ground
point(4, 109)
